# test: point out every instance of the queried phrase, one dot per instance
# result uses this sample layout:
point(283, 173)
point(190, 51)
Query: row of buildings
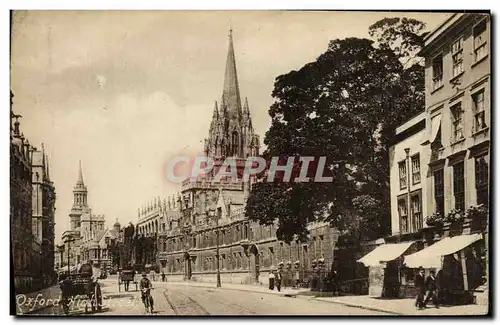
point(439, 180)
point(87, 240)
point(440, 165)
point(32, 210)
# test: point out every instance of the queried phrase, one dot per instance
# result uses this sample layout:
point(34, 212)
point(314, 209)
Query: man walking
point(271, 280)
point(431, 286)
point(278, 279)
point(420, 285)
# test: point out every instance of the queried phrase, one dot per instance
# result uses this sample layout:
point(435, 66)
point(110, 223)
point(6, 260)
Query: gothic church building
point(214, 211)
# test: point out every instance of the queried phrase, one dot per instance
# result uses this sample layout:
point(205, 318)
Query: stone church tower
point(231, 132)
point(79, 201)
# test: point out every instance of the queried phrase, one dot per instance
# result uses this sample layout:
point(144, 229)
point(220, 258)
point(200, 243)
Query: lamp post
point(61, 255)
point(409, 218)
point(216, 217)
point(99, 255)
point(69, 241)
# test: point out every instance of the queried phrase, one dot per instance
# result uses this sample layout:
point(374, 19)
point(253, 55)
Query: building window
point(403, 215)
point(439, 191)
point(482, 180)
point(416, 211)
point(415, 169)
point(457, 56)
point(457, 122)
point(437, 72)
point(459, 186)
point(480, 50)
point(478, 106)
point(402, 174)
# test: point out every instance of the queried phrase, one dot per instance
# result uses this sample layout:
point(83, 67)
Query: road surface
point(171, 300)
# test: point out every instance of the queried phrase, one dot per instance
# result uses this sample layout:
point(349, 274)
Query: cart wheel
point(65, 308)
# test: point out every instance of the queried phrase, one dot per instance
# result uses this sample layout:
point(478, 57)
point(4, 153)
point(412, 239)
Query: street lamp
point(216, 217)
point(60, 248)
point(408, 213)
point(69, 241)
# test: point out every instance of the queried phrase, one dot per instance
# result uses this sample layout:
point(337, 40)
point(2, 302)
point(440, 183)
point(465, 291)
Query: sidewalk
point(404, 306)
point(29, 302)
point(239, 287)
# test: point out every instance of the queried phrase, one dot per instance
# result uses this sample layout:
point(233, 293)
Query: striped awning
point(385, 253)
point(431, 257)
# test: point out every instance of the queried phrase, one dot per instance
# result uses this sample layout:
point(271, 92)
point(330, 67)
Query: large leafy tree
point(344, 106)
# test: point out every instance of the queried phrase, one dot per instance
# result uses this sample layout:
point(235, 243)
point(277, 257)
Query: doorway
point(254, 264)
point(187, 266)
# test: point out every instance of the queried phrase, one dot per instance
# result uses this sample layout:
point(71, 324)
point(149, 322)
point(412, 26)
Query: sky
point(124, 91)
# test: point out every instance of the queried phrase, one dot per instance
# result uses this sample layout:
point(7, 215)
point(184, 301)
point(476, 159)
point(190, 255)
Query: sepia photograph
point(250, 163)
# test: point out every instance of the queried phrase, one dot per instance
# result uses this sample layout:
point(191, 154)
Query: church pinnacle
point(80, 174)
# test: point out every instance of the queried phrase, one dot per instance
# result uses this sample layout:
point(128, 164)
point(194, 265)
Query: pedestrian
point(430, 284)
point(152, 275)
point(162, 276)
point(420, 285)
point(271, 280)
point(278, 280)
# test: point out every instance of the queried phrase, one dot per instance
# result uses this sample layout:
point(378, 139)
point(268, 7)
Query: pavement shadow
point(117, 295)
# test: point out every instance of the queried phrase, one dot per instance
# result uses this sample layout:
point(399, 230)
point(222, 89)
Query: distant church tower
point(231, 132)
point(79, 200)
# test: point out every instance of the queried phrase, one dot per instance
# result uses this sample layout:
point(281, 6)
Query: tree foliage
point(345, 106)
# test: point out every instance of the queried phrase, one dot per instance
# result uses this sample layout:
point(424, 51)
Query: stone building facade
point(43, 223)
point(32, 209)
point(440, 167)
point(154, 218)
point(209, 216)
point(23, 252)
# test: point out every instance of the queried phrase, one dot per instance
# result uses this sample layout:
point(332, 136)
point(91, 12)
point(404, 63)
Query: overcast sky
point(125, 91)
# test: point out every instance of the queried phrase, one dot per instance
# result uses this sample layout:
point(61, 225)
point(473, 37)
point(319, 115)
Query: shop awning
point(385, 253)
point(430, 257)
point(435, 126)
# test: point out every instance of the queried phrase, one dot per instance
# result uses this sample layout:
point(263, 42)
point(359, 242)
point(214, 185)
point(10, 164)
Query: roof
point(439, 31)
point(411, 122)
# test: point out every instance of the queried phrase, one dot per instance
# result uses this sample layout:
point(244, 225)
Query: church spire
point(231, 91)
point(80, 174)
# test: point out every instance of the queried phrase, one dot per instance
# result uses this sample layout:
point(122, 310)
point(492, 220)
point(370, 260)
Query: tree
point(404, 36)
point(345, 106)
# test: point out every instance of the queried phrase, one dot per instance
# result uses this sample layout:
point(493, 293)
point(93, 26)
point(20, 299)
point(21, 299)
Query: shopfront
point(385, 265)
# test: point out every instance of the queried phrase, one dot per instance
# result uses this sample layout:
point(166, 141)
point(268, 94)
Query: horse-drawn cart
point(126, 276)
point(78, 286)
